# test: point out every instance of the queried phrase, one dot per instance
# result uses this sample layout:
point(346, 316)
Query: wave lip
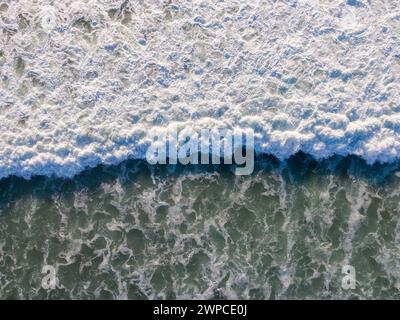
point(28, 164)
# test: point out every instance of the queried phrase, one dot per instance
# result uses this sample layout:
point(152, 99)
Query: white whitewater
point(82, 82)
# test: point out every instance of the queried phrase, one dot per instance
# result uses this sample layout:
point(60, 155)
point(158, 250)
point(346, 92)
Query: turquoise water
point(153, 232)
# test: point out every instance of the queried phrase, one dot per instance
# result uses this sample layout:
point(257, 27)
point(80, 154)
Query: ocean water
point(143, 232)
point(82, 83)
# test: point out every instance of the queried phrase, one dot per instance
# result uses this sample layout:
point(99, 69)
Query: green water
point(140, 232)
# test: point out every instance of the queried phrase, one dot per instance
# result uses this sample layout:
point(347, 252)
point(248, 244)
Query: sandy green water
point(141, 232)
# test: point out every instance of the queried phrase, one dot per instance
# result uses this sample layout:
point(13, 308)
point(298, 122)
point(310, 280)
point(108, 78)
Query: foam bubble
point(83, 85)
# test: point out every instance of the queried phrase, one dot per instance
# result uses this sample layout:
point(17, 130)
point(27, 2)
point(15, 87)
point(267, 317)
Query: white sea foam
point(83, 81)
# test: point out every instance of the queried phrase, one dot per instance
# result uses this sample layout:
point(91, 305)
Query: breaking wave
point(82, 82)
